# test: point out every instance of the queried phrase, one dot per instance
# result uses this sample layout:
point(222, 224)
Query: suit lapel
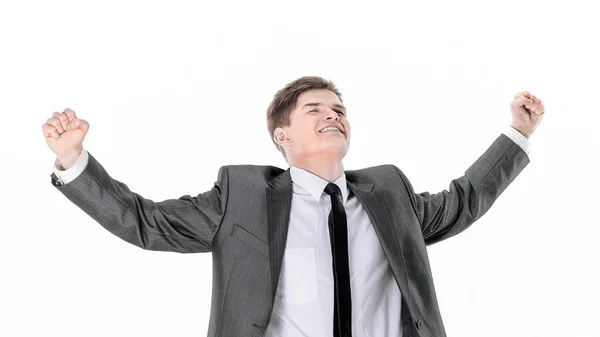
point(372, 200)
point(279, 204)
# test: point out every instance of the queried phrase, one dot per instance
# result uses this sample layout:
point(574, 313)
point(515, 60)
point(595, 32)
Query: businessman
point(312, 250)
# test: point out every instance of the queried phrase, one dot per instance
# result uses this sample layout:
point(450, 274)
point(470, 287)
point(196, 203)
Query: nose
point(332, 114)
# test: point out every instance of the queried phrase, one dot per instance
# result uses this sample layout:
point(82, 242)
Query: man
point(313, 250)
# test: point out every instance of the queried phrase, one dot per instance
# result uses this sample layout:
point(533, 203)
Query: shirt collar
point(314, 184)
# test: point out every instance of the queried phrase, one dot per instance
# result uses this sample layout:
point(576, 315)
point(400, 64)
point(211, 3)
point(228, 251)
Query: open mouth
point(335, 132)
point(332, 131)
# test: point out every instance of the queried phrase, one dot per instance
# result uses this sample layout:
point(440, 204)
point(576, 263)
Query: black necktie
point(338, 235)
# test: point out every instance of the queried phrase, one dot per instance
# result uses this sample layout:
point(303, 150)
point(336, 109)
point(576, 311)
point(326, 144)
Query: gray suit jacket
point(243, 221)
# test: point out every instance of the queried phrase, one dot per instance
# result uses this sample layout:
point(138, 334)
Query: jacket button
point(418, 324)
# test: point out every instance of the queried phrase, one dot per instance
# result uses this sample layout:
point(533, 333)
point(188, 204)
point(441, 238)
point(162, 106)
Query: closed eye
point(340, 112)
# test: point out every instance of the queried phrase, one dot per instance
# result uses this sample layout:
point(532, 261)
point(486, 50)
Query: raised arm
point(186, 225)
point(449, 212)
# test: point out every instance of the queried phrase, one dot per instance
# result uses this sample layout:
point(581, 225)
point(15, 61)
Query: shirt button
point(418, 324)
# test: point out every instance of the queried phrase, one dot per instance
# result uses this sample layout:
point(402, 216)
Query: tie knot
point(332, 188)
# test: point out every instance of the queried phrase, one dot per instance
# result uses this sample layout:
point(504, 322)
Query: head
point(299, 112)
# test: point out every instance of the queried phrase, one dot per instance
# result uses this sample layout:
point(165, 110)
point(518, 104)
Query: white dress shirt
point(304, 302)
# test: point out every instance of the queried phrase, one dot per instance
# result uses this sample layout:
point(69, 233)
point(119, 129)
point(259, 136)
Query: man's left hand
point(527, 113)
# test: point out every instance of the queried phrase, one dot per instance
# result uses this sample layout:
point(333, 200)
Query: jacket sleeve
point(447, 213)
point(185, 225)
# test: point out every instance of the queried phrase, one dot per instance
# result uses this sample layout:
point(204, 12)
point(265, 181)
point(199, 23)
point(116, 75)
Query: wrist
point(521, 131)
point(67, 160)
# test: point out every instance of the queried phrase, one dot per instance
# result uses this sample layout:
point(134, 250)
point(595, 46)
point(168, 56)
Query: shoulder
point(384, 177)
point(254, 172)
point(374, 173)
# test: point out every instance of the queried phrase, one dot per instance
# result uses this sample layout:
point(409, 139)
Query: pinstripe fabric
point(243, 220)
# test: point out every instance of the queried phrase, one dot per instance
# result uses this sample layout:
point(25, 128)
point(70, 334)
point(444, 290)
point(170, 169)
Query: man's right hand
point(64, 134)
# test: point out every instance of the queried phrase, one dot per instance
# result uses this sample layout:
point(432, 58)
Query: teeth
point(330, 129)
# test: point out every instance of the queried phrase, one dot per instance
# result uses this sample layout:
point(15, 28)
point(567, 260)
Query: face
point(315, 110)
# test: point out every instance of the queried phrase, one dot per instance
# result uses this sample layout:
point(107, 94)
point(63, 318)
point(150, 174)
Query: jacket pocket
point(250, 239)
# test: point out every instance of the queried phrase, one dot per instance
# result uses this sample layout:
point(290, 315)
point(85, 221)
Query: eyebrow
point(317, 104)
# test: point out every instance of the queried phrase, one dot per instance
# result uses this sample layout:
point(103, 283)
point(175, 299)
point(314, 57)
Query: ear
point(280, 136)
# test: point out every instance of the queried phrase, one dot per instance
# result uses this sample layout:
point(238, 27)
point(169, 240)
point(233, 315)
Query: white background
point(173, 90)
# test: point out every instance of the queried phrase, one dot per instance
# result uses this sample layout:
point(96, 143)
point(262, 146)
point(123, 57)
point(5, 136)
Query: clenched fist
point(64, 133)
point(527, 112)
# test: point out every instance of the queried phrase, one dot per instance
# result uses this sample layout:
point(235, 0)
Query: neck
point(325, 167)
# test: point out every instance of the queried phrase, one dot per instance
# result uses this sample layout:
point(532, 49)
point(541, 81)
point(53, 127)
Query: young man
point(312, 250)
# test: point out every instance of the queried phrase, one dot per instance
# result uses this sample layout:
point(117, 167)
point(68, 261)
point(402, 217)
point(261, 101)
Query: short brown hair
point(284, 101)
